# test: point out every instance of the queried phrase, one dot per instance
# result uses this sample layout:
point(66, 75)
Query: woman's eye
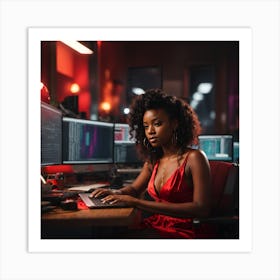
point(157, 124)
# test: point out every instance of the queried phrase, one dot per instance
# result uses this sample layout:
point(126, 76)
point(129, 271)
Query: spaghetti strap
point(185, 160)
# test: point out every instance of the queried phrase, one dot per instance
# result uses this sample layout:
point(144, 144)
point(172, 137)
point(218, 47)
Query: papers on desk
point(89, 187)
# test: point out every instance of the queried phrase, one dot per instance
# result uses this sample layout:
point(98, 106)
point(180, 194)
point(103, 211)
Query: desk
point(90, 223)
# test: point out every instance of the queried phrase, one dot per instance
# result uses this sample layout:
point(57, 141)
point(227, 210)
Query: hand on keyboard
point(100, 203)
point(117, 198)
point(102, 192)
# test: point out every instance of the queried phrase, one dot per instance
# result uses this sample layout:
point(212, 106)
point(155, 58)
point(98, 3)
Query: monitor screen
point(236, 152)
point(125, 148)
point(51, 135)
point(217, 147)
point(87, 141)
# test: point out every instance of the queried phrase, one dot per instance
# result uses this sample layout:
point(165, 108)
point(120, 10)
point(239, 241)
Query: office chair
point(223, 222)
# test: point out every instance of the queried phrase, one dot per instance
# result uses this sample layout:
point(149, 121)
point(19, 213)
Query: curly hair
point(177, 109)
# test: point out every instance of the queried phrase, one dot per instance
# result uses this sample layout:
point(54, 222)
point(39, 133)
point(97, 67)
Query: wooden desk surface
point(93, 217)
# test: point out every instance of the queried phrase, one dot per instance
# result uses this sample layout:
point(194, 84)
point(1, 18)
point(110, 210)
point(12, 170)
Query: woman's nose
point(151, 129)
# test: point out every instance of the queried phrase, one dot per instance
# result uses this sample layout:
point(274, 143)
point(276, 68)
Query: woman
point(176, 176)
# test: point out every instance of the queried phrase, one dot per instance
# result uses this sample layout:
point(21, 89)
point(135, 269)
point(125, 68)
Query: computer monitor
point(51, 135)
point(87, 141)
point(236, 152)
point(125, 151)
point(217, 147)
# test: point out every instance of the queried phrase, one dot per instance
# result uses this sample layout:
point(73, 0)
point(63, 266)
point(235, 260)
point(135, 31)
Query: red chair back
point(224, 181)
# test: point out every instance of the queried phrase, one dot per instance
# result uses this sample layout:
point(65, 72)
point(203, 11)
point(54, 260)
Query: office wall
point(113, 59)
point(176, 60)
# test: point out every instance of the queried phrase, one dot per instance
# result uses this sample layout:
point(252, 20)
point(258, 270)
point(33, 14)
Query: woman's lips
point(153, 139)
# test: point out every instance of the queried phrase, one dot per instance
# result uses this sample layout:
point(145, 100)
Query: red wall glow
point(64, 59)
point(73, 67)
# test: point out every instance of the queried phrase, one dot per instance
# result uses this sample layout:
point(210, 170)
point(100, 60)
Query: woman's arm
point(201, 176)
point(198, 166)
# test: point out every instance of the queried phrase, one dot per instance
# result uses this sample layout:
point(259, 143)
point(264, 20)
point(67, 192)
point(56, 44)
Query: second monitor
point(87, 141)
point(125, 147)
point(217, 147)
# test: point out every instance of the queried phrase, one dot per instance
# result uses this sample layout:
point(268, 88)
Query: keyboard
point(95, 203)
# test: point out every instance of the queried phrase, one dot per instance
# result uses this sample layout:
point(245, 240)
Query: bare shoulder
point(197, 156)
point(198, 164)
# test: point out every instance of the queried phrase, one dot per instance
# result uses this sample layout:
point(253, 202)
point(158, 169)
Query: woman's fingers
point(100, 192)
point(108, 198)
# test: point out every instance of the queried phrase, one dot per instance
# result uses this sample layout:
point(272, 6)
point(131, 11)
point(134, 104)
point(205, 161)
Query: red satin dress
point(175, 190)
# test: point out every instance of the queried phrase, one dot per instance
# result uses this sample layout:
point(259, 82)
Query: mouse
point(69, 204)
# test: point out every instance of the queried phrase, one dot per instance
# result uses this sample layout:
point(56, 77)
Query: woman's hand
point(127, 199)
point(98, 193)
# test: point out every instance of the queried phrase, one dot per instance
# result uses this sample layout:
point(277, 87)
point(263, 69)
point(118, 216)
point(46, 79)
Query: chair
point(223, 221)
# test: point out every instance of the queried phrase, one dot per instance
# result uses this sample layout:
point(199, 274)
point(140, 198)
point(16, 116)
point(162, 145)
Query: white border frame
point(243, 35)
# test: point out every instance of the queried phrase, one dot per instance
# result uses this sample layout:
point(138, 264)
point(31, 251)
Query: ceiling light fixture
point(75, 45)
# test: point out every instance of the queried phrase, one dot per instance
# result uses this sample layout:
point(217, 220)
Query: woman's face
point(158, 127)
